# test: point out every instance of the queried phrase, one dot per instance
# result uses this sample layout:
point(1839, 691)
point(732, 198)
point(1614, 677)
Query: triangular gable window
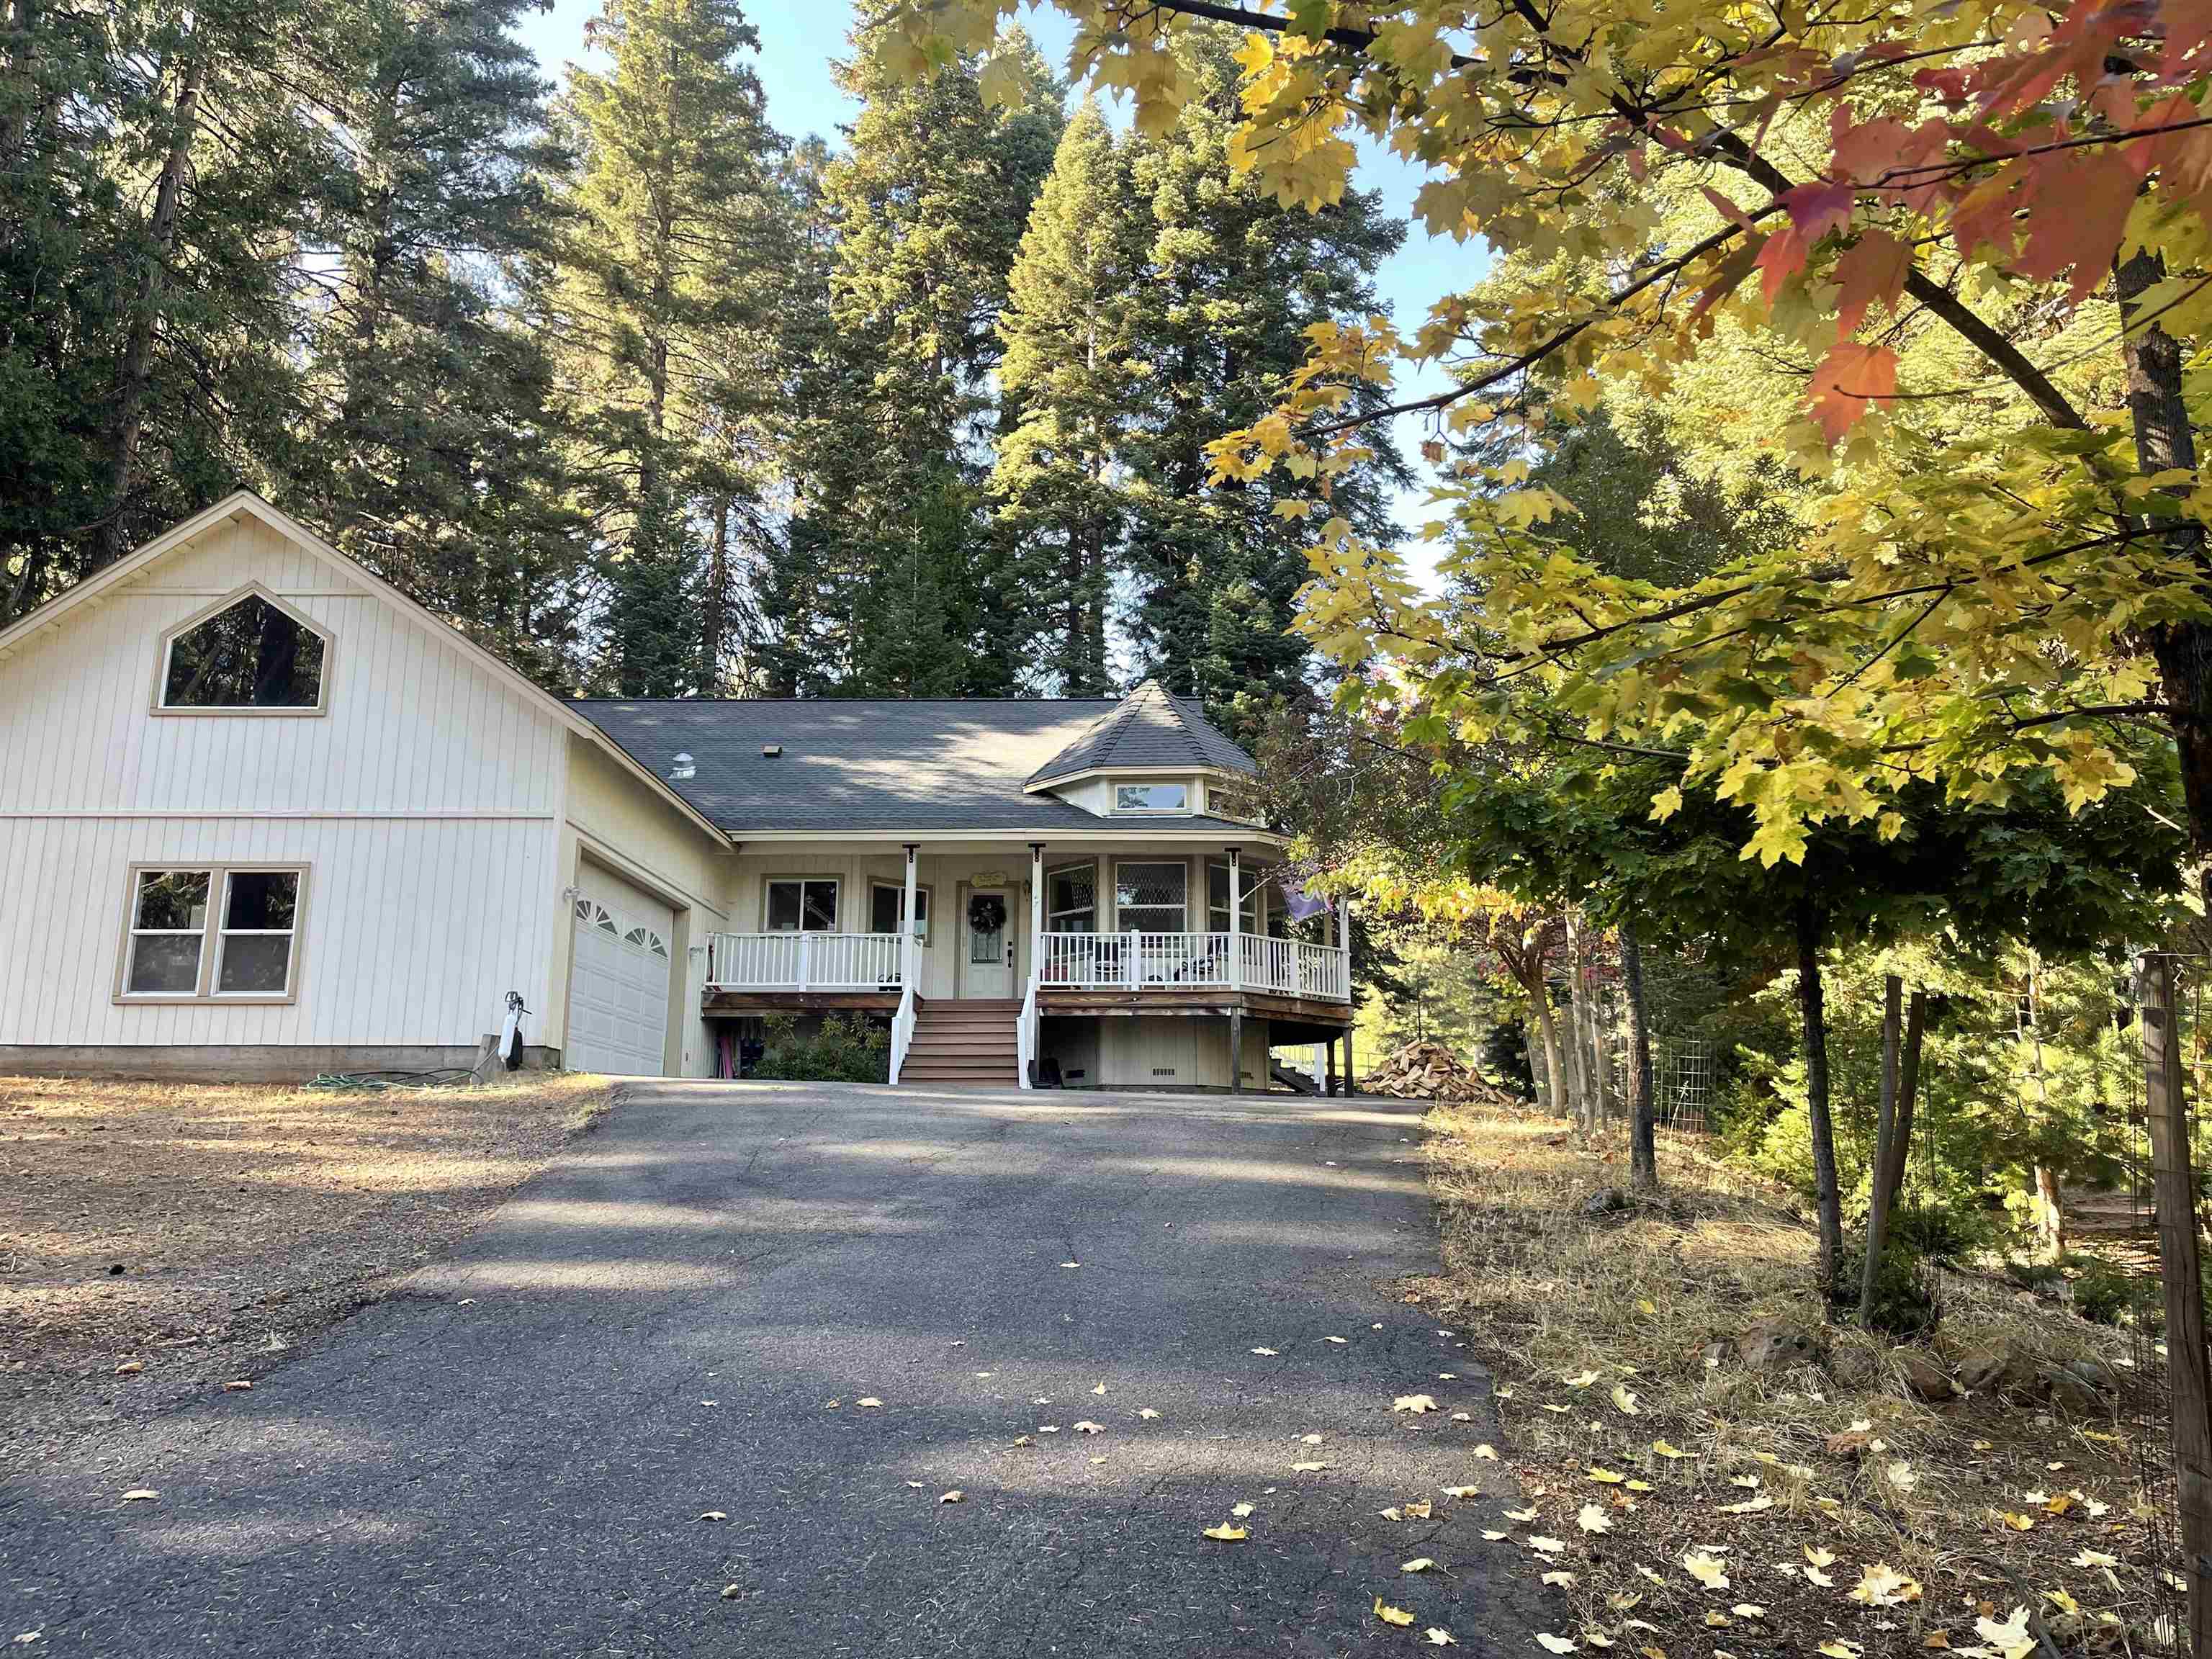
point(253, 653)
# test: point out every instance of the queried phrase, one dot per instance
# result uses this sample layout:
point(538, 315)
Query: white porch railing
point(803, 962)
point(1139, 961)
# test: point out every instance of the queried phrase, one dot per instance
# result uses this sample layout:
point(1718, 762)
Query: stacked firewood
point(1424, 1070)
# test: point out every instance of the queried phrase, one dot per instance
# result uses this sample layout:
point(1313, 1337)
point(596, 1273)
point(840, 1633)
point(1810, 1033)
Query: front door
point(989, 958)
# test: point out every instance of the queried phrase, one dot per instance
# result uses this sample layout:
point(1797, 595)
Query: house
point(263, 815)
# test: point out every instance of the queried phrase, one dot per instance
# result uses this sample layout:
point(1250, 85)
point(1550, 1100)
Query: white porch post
point(1236, 923)
point(906, 923)
point(1036, 908)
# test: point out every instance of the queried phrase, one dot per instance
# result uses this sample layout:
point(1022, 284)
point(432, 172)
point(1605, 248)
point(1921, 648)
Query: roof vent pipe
point(682, 767)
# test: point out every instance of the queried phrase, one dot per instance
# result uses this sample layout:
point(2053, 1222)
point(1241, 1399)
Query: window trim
point(926, 904)
point(204, 992)
point(837, 883)
point(1119, 864)
point(1188, 785)
point(320, 708)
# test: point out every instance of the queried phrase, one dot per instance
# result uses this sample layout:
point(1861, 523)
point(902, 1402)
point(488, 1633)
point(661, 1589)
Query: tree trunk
point(713, 619)
point(1547, 1031)
point(2164, 441)
point(23, 70)
point(1644, 1109)
point(1814, 1025)
point(1573, 1092)
point(1889, 1171)
point(135, 377)
point(1877, 1231)
point(2050, 1215)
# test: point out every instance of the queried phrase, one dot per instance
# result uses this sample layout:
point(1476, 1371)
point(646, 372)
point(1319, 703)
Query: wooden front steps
point(972, 1042)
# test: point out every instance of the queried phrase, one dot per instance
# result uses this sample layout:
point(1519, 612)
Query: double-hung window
point(886, 901)
point(803, 906)
point(213, 933)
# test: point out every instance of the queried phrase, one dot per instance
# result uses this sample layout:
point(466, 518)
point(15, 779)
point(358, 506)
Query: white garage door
point(619, 980)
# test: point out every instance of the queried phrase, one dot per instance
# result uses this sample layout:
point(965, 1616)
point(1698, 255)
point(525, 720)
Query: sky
point(799, 38)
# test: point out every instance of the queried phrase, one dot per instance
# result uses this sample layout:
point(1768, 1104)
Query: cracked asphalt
point(511, 1455)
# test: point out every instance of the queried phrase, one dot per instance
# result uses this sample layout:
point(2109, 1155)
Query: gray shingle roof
point(882, 763)
point(1151, 727)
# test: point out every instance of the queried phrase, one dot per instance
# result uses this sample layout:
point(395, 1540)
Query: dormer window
point(250, 655)
point(1151, 798)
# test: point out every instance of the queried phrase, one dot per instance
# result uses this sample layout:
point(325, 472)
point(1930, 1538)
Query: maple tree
point(1971, 597)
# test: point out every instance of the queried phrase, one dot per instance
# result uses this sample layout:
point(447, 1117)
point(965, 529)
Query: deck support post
point(1344, 938)
point(1236, 1036)
point(1329, 1085)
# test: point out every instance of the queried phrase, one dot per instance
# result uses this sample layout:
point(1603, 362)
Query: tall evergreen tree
point(426, 448)
point(1236, 279)
point(657, 304)
point(890, 546)
point(1071, 380)
point(157, 171)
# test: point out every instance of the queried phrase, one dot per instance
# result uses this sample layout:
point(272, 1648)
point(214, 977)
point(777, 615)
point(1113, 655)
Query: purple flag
point(1301, 902)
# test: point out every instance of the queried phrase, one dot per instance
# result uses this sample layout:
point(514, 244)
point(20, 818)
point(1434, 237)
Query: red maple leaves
point(1849, 381)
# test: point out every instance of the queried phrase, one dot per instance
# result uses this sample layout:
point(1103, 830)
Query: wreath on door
point(986, 913)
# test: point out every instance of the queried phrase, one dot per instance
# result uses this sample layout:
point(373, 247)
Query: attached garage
point(618, 978)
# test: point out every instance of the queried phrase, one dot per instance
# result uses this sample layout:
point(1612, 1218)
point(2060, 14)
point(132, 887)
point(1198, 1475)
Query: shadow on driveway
point(511, 1455)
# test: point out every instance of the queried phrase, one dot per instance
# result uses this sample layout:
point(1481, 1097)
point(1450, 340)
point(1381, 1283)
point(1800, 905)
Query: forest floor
point(160, 1241)
point(1678, 1500)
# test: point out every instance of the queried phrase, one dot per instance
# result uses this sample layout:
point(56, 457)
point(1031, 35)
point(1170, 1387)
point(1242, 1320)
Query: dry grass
point(1544, 1292)
point(194, 1231)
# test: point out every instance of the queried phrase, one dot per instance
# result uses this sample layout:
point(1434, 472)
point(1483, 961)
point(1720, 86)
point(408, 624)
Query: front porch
point(1064, 948)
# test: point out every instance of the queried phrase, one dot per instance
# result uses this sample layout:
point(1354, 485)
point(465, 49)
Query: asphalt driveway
point(682, 1317)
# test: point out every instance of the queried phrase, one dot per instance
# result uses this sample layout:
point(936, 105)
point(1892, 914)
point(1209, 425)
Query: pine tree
point(658, 303)
point(1236, 278)
point(156, 167)
point(426, 448)
point(905, 586)
point(1070, 327)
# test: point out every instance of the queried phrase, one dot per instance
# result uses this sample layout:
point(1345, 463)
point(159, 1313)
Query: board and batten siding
point(424, 801)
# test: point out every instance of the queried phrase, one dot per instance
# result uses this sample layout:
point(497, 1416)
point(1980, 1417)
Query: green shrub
point(2106, 1294)
point(847, 1048)
point(1906, 1302)
point(1945, 1232)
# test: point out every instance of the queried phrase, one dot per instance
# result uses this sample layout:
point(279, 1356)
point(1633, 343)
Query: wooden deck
point(714, 1001)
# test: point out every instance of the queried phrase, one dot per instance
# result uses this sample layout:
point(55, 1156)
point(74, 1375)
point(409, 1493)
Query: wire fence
point(2148, 1409)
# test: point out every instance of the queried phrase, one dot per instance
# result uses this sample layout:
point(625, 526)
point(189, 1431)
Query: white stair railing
point(902, 1021)
point(1025, 1038)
